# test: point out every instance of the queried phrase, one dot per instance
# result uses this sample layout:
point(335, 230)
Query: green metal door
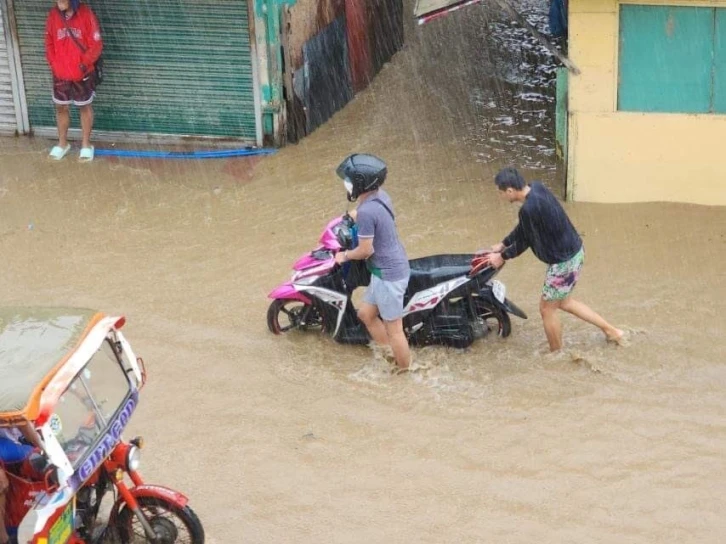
point(665, 58)
point(719, 63)
point(174, 67)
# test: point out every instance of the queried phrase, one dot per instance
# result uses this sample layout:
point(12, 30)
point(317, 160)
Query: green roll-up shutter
point(180, 67)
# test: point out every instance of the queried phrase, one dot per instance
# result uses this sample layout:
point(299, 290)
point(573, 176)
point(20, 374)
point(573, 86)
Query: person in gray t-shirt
point(382, 308)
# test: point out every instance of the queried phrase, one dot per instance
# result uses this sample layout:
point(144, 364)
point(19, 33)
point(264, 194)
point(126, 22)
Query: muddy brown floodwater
point(296, 439)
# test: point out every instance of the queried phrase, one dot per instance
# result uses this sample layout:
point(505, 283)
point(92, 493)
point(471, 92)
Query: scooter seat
point(429, 271)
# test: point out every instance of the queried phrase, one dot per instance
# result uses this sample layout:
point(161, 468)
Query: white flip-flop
point(58, 152)
point(86, 154)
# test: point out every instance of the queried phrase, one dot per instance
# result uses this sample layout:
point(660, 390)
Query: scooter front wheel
point(285, 315)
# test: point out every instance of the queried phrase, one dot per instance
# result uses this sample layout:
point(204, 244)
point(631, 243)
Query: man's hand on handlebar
point(495, 259)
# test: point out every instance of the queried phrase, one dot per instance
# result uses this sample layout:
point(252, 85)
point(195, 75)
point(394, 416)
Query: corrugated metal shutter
point(181, 67)
point(8, 113)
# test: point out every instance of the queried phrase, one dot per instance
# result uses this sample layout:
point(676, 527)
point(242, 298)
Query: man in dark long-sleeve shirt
point(545, 228)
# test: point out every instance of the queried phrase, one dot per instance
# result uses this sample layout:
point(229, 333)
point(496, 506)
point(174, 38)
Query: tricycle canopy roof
point(34, 345)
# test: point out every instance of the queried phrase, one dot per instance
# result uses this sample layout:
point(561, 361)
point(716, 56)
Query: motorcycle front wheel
point(495, 319)
point(171, 524)
point(285, 315)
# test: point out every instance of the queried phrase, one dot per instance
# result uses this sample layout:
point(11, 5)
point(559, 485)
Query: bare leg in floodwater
point(553, 327)
point(399, 343)
point(386, 333)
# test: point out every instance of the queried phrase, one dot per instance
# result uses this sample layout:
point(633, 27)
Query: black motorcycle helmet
point(361, 173)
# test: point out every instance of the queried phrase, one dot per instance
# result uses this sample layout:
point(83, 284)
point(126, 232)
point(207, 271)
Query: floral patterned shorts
point(562, 277)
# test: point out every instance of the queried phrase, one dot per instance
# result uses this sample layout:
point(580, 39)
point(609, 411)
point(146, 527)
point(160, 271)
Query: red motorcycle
point(74, 377)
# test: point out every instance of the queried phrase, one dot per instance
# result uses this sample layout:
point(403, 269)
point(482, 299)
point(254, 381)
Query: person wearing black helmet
point(382, 308)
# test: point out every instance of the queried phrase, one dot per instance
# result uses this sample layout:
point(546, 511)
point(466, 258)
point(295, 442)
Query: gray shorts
point(387, 296)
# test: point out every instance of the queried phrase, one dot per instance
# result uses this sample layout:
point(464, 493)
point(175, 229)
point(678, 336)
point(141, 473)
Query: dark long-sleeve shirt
point(544, 227)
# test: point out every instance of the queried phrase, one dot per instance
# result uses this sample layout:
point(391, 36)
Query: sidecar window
point(91, 400)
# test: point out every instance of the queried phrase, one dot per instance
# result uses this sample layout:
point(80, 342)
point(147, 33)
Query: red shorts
point(78, 93)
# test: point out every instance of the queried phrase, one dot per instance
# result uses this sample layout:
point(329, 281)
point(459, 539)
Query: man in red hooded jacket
point(72, 47)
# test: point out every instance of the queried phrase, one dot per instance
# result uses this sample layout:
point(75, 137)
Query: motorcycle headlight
point(133, 459)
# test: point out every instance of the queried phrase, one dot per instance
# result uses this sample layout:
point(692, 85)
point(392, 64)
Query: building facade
point(179, 70)
point(647, 114)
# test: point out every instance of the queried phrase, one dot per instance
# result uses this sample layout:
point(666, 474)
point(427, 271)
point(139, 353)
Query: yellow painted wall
point(633, 157)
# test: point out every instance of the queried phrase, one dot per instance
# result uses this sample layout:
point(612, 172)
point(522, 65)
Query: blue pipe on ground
point(213, 154)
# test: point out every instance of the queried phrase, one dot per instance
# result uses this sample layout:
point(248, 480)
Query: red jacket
point(66, 60)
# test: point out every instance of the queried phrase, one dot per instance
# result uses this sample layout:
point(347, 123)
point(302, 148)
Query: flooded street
point(296, 439)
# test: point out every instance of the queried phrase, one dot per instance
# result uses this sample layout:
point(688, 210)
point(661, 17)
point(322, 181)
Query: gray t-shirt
point(374, 221)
